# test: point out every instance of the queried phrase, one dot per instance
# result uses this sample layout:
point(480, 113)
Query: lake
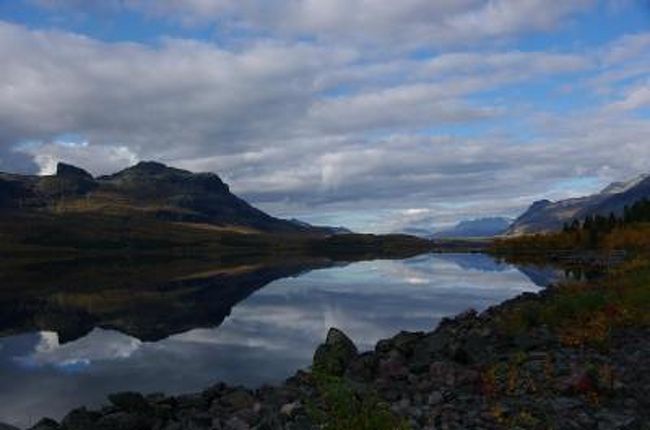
point(64, 349)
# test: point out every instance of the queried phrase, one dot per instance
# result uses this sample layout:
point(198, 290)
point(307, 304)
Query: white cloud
point(98, 345)
point(404, 107)
point(326, 125)
point(628, 47)
point(635, 98)
point(100, 159)
point(167, 101)
point(393, 25)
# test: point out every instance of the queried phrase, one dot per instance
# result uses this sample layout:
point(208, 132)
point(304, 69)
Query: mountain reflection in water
point(71, 345)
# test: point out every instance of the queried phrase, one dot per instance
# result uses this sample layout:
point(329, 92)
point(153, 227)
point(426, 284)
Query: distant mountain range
point(545, 215)
point(156, 191)
point(417, 231)
point(148, 189)
point(481, 227)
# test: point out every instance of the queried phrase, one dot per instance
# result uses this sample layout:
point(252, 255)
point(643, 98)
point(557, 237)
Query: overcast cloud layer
point(367, 113)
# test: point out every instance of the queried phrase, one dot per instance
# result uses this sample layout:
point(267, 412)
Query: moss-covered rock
point(334, 356)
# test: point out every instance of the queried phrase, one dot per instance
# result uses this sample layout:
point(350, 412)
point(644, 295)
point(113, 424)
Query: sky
point(373, 114)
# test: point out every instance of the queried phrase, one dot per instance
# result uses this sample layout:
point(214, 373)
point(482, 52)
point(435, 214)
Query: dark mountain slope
point(545, 215)
point(482, 227)
point(147, 189)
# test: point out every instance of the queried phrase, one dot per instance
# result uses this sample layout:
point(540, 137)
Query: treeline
point(639, 212)
point(629, 231)
point(596, 231)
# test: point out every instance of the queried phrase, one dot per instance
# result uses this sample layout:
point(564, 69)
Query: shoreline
point(467, 373)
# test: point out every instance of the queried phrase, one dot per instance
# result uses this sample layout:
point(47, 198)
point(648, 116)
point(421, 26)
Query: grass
point(343, 408)
point(42, 236)
point(587, 313)
point(632, 237)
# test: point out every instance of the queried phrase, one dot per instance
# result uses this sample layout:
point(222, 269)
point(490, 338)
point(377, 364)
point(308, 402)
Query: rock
point(391, 394)
point(130, 402)
point(392, 367)
point(404, 404)
point(525, 342)
point(238, 399)
point(383, 346)
point(123, 421)
point(460, 355)
point(236, 424)
point(563, 404)
point(443, 372)
point(429, 347)
point(475, 348)
point(162, 411)
point(215, 391)
point(615, 421)
point(334, 356)
point(69, 180)
point(289, 408)
point(249, 416)
point(584, 420)
point(269, 422)
point(448, 396)
point(173, 425)
point(405, 341)
point(300, 423)
point(70, 171)
point(199, 421)
point(80, 419)
point(467, 376)
point(191, 401)
point(579, 383)
point(630, 403)
point(363, 368)
point(45, 424)
point(155, 398)
point(416, 376)
point(435, 398)
point(7, 427)
point(466, 317)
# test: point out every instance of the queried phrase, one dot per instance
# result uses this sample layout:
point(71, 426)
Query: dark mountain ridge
point(148, 189)
point(481, 227)
point(547, 216)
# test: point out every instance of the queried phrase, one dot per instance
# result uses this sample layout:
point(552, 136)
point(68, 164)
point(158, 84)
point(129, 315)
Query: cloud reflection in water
point(265, 339)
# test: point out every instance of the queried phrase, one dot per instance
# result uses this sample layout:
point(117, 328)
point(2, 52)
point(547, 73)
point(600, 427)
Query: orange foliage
point(635, 237)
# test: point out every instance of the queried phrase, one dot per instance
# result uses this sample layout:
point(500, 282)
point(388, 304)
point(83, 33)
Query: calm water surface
point(268, 335)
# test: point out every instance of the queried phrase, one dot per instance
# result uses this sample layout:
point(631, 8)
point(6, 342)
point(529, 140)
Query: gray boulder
point(46, 424)
point(335, 355)
point(124, 421)
point(80, 419)
point(363, 368)
point(130, 402)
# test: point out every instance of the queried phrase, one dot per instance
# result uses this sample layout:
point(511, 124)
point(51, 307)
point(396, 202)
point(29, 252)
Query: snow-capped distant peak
point(621, 187)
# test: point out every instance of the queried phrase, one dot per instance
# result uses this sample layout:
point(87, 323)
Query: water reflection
point(150, 310)
point(250, 335)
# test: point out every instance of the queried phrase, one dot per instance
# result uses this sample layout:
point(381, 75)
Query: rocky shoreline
point(468, 373)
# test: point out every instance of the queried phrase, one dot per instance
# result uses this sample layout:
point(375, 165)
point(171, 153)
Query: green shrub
point(343, 408)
